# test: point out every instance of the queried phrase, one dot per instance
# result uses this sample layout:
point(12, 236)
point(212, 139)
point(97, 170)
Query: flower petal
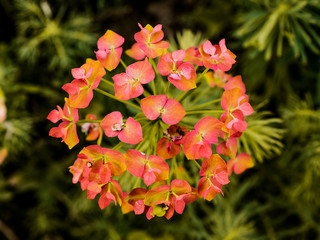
point(173, 112)
point(152, 105)
point(132, 132)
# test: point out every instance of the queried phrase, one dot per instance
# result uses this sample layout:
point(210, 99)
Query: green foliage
point(263, 136)
point(275, 26)
point(44, 33)
point(186, 39)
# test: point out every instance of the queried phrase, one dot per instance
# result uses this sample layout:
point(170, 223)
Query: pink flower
point(181, 74)
point(128, 132)
point(151, 169)
point(164, 200)
point(217, 57)
point(214, 176)
point(228, 147)
point(110, 192)
point(67, 128)
point(240, 163)
point(236, 105)
point(109, 52)
point(92, 130)
point(197, 143)
point(128, 85)
point(236, 82)
point(170, 110)
point(149, 40)
point(193, 55)
point(134, 201)
point(87, 78)
point(95, 166)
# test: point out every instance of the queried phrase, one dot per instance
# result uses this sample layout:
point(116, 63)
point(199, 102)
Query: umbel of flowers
point(171, 131)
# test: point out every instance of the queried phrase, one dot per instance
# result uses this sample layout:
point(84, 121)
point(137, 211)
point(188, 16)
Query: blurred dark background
point(277, 43)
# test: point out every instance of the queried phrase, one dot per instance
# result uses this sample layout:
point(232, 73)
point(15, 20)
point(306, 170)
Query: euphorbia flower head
point(95, 166)
point(181, 74)
point(109, 50)
point(128, 132)
point(228, 147)
point(110, 192)
point(236, 105)
point(169, 146)
point(135, 201)
point(170, 109)
point(217, 78)
point(164, 200)
point(151, 169)
point(214, 176)
point(114, 159)
point(92, 130)
point(217, 56)
point(149, 40)
point(197, 143)
point(193, 55)
point(67, 128)
point(240, 163)
point(128, 85)
point(86, 78)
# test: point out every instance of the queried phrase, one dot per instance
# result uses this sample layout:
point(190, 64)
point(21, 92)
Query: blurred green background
point(277, 43)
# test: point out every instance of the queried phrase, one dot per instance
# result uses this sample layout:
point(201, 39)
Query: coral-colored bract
point(170, 110)
point(166, 94)
point(67, 128)
point(128, 85)
point(87, 78)
point(149, 40)
point(128, 132)
point(109, 52)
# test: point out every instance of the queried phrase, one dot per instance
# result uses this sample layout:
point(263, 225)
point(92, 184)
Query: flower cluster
point(171, 132)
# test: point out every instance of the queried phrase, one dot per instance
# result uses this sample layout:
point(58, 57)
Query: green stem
point(173, 167)
point(123, 64)
point(153, 64)
point(139, 145)
point(88, 121)
point(137, 183)
point(202, 74)
point(154, 87)
point(204, 104)
point(113, 97)
point(196, 163)
point(107, 82)
point(167, 88)
point(204, 111)
point(182, 96)
point(118, 146)
point(100, 138)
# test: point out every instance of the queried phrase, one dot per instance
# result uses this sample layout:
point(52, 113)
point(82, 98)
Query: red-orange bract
point(67, 128)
